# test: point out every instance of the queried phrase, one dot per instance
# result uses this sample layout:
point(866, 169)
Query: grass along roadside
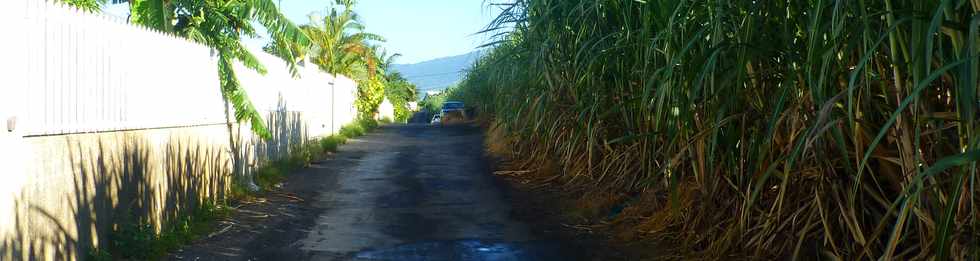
point(272, 173)
point(137, 240)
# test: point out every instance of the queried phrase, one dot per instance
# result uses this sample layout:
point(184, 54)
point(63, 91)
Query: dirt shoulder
point(267, 223)
point(565, 214)
point(549, 212)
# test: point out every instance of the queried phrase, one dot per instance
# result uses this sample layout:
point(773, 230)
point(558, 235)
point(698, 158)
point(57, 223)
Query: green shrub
point(136, 239)
point(331, 143)
point(270, 174)
point(351, 131)
point(358, 128)
point(367, 124)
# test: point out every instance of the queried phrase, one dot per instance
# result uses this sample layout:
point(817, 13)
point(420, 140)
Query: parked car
point(452, 111)
point(436, 119)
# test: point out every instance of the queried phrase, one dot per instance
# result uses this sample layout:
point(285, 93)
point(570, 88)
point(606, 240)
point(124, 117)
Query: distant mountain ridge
point(439, 73)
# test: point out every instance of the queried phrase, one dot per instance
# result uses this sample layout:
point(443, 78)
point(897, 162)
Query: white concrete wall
point(115, 119)
point(325, 100)
point(344, 109)
point(386, 110)
point(76, 72)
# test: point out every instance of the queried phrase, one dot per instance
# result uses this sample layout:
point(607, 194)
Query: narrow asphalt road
point(404, 192)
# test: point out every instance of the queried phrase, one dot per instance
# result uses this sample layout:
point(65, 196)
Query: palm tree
point(339, 41)
point(385, 60)
point(339, 45)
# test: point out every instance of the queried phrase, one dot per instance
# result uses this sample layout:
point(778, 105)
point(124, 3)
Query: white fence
point(76, 72)
point(81, 72)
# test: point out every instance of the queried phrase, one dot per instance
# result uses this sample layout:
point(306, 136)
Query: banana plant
point(221, 24)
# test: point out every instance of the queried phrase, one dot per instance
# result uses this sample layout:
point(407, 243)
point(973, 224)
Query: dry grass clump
point(596, 205)
point(497, 143)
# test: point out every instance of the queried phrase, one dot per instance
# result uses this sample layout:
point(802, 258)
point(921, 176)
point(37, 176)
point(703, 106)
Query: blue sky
point(419, 30)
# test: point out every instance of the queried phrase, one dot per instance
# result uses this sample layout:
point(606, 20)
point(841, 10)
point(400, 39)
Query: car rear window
point(452, 105)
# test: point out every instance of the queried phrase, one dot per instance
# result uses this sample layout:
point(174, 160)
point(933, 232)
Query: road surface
point(404, 192)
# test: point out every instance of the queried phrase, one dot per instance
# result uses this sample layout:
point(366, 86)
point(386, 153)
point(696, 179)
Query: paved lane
point(403, 192)
point(418, 192)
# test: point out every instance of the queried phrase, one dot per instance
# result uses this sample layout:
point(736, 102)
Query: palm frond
point(236, 95)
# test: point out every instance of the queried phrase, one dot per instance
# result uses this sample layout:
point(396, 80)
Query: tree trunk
point(238, 171)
